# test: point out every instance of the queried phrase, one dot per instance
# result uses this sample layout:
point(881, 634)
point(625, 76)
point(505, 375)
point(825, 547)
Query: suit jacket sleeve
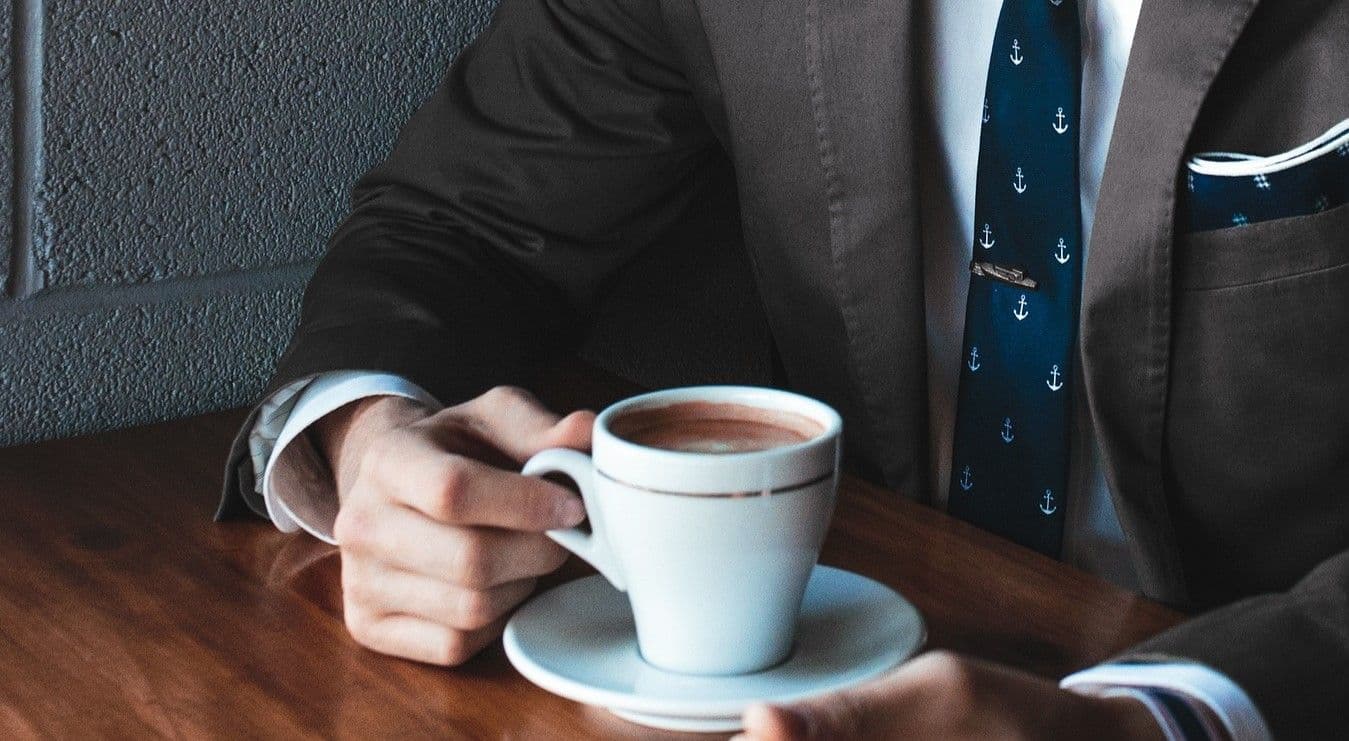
point(559, 144)
point(1289, 651)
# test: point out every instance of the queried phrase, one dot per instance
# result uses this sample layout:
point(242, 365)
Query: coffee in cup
point(708, 427)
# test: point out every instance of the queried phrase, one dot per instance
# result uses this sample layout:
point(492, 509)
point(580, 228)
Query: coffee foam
point(709, 427)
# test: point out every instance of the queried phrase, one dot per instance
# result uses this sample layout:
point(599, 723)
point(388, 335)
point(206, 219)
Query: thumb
point(515, 422)
point(773, 723)
point(836, 716)
point(864, 712)
point(572, 431)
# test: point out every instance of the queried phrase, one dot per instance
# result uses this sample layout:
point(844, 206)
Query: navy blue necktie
point(1009, 468)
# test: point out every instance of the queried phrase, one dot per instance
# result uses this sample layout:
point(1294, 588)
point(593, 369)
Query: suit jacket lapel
point(860, 70)
point(1179, 45)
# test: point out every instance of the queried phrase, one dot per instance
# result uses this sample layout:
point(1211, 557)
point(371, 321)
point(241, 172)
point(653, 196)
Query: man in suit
point(1208, 448)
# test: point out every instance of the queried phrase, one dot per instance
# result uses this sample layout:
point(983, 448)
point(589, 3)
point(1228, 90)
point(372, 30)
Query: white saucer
point(578, 641)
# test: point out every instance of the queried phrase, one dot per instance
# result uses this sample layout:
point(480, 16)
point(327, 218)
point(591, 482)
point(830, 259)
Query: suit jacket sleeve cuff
point(296, 484)
point(1174, 684)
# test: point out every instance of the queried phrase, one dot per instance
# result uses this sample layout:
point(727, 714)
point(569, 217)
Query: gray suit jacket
point(572, 135)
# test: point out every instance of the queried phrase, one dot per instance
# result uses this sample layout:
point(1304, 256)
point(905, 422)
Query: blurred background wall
point(175, 168)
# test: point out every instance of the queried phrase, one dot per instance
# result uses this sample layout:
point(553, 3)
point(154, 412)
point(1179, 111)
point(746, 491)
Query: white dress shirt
point(296, 487)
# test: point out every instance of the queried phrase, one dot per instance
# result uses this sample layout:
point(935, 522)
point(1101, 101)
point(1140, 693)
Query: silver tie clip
point(1012, 276)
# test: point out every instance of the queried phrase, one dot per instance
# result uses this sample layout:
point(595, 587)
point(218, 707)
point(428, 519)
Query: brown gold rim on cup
point(723, 495)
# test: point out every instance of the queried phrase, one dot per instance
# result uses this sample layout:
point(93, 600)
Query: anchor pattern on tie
point(1059, 126)
point(1054, 383)
point(1047, 505)
point(1010, 453)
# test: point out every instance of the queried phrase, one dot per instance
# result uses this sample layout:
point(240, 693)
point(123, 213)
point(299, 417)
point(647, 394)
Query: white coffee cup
point(713, 549)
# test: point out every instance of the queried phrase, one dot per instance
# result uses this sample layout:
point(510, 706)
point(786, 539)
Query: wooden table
point(125, 611)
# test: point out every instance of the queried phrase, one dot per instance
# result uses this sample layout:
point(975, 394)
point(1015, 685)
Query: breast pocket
point(1264, 251)
point(1258, 414)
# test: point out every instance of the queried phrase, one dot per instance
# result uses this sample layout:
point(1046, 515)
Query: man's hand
point(941, 695)
point(440, 535)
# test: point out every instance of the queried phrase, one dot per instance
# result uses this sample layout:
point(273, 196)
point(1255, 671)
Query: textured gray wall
point(187, 160)
point(176, 168)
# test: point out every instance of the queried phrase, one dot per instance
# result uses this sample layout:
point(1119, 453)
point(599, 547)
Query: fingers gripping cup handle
point(592, 546)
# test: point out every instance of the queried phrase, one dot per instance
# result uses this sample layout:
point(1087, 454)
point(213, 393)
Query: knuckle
point(379, 453)
point(553, 555)
point(573, 429)
point(358, 594)
point(454, 482)
point(353, 587)
point(472, 565)
point(360, 624)
point(348, 575)
point(945, 664)
point(455, 649)
point(951, 675)
point(476, 609)
point(363, 592)
point(354, 528)
point(508, 396)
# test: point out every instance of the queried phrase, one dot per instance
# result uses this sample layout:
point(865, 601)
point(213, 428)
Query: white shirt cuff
point(1225, 698)
point(1159, 712)
point(296, 484)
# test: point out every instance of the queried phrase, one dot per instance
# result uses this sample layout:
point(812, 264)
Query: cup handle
point(592, 546)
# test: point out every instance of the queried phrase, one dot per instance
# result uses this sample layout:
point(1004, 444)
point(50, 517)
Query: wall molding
point(89, 299)
point(26, 275)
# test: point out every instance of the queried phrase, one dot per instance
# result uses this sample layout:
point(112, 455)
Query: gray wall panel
point(67, 373)
point(188, 145)
point(186, 137)
point(7, 147)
